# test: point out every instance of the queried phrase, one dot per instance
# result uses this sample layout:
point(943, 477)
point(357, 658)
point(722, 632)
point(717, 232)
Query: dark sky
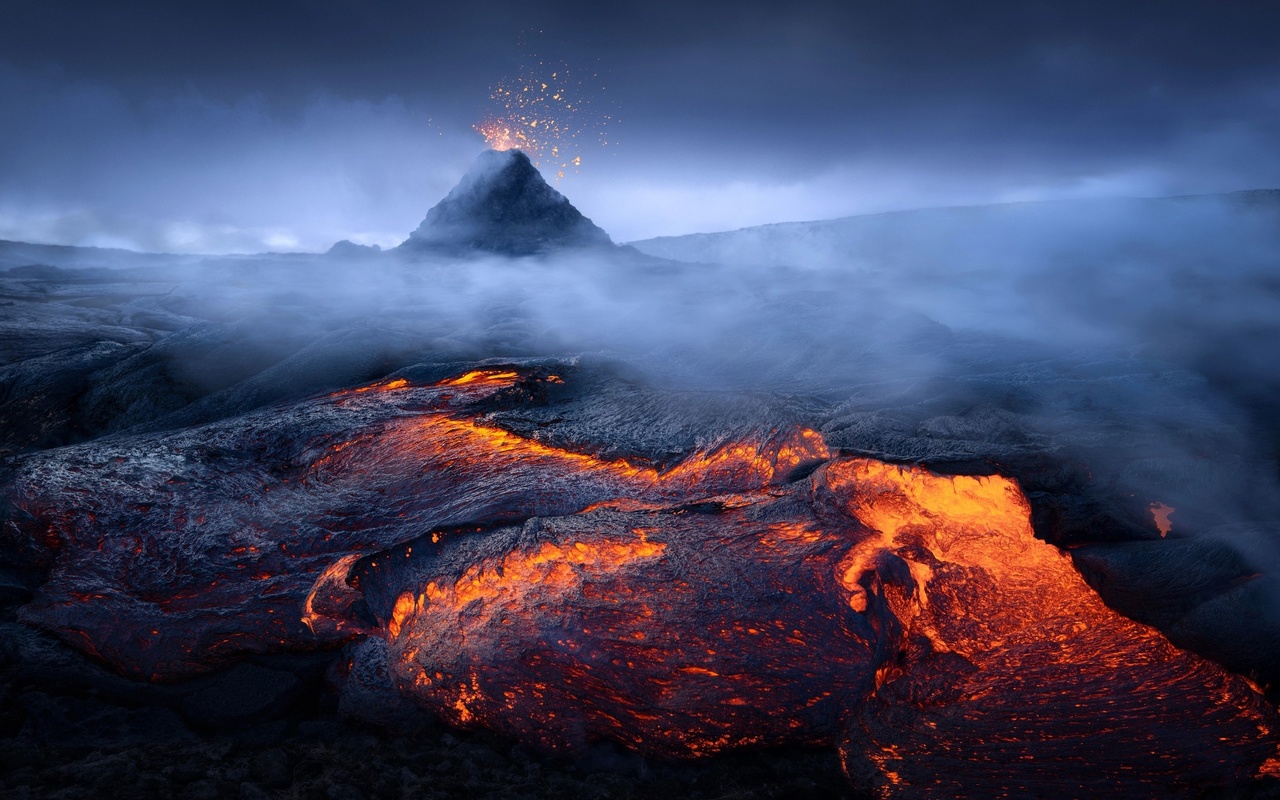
point(235, 126)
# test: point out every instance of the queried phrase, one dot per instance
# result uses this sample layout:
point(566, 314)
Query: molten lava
point(761, 592)
point(912, 619)
point(214, 537)
point(679, 633)
point(1009, 658)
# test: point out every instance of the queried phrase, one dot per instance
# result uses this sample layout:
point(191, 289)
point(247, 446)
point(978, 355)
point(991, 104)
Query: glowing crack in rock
point(214, 537)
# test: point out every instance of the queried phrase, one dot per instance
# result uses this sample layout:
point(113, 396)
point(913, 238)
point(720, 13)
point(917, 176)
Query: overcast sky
point(242, 126)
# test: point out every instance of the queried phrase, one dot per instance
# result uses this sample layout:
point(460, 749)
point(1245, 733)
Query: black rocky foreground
point(265, 538)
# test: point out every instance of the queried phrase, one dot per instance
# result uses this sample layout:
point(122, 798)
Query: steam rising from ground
point(1195, 282)
point(1145, 326)
point(1136, 336)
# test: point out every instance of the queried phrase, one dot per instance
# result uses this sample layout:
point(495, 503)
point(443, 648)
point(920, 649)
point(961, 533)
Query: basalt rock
point(242, 695)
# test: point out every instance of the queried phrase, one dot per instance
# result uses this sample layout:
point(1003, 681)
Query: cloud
point(82, 164)
point(353, 124)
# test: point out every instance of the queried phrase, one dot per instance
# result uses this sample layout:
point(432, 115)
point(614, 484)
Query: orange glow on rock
point(399, 613)
point(1017, 660)
point(969, 521)
point(910, 618)
point(482, 376)
point(224, 552)
point(556, 567)
point(398, 383)
point(1163, 516)
point(913, 620)
point(627, 625)
point(319, 614)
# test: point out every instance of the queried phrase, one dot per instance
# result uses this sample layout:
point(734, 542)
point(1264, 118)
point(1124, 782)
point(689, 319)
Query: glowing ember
point(547, 113)
point(1162, 514)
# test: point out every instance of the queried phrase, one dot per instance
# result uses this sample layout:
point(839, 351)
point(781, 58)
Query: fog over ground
point(1145, 328)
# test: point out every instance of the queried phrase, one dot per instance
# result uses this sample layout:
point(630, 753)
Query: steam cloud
point(1142, 327)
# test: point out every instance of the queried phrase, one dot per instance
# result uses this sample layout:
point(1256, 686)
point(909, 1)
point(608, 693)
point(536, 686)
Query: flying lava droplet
point(548, 113)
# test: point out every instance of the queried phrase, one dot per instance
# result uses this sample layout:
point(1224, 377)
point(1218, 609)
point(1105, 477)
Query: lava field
point(443, 533)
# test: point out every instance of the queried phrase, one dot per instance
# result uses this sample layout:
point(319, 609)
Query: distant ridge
point(840, 239)
point(23, 254)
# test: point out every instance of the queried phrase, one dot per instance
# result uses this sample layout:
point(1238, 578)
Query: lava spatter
point(547, 111)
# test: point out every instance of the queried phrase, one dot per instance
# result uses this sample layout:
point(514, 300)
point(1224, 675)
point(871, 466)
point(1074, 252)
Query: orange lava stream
point(1047, 671)
point(687, 635)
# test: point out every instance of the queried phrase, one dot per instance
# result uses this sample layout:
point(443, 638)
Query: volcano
point(503, 206)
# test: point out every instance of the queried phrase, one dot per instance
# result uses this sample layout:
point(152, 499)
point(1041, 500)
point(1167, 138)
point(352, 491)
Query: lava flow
point(911, 619)
point(172, 553)
point(1013, 678)
point(762, 592)
point(678, 632)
